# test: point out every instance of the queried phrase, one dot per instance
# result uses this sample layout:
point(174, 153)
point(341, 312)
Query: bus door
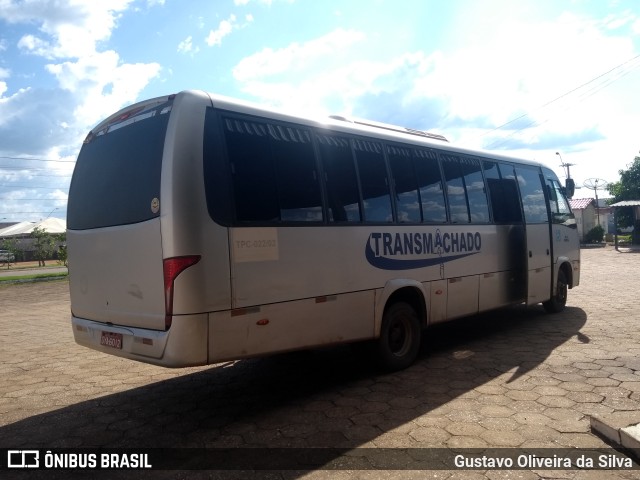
point(538, 242)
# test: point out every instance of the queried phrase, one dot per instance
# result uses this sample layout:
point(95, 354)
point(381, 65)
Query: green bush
point(595, 235)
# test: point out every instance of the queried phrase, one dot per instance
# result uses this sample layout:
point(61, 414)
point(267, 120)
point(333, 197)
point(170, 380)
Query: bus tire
point(558, 301)
point(399, 340)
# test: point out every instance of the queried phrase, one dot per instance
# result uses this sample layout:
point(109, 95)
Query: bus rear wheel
point(399, 341)
point(559, 299)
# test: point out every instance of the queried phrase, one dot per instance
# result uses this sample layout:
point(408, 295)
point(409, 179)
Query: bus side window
point(298, 183)
point(532, 194)
point(503, 193)
point(252, 169)
point(553, 198)
point(405, 184)
point(274, 172)
point(376, 197)
point(474, 185)
point(430, 186)
point(343, 196)
point(560, 209)
point(453, 175)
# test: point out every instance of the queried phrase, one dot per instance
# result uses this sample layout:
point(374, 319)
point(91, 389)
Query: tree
point(44, 245)
point(61, 239)
point(595, 235)
point(628, 188)
point(11, 246)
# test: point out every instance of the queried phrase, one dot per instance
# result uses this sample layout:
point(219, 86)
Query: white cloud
point(35, 45)
point(186, 46)
point(70, 29)
point(224, 28)
point(499, 72)
point(487, 84)
point(268, 3)
point(91, 84)
point(101, 83)
point(4, 73)
point(240, 3)
point(300, 58)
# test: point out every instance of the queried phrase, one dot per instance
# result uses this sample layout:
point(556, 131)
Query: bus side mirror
point(570, 187)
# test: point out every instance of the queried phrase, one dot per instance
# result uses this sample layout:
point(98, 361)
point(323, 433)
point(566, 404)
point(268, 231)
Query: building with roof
point(24, 229)
point(589, 214)
point(635, 205)
point(585, 211)
point(21, 233)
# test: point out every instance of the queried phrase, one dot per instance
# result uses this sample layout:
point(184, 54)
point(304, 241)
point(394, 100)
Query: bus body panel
point(184, 345)
point(280, 327)
point(564, 240)
point(367, 258)
point(495, 290)
point(115, 275)
point(187, 228)
point(437, 303)
point(539, 264)
point(462, 296)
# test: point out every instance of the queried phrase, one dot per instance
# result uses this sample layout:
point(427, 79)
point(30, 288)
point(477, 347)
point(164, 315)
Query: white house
point(22, 233)
point(585, 211)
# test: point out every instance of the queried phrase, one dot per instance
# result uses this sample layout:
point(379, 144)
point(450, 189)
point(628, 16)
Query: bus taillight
point(172, 267)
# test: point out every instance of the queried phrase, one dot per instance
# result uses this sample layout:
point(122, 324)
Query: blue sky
point(528, 78)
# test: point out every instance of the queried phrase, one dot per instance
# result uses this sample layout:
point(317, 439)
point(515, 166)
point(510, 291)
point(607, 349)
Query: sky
point(554, 81)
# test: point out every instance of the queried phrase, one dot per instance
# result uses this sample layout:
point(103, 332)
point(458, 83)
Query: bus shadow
point(330, 398)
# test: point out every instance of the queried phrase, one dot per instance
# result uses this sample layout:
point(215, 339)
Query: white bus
point(202, 229)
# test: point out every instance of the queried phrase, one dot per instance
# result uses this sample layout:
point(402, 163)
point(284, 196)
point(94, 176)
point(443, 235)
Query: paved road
point(516, 378)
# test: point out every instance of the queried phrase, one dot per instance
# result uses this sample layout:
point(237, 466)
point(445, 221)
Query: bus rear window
point(116, 180)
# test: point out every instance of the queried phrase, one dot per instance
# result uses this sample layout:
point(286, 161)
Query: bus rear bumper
point(183, 345)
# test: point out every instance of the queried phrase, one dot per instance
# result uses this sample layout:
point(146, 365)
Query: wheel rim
point(399, 337)
point(562, 290)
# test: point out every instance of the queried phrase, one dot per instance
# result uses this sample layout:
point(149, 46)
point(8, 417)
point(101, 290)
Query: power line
point(583, 96)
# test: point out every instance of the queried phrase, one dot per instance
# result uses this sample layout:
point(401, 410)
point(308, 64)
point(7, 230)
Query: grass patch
point(34, 277)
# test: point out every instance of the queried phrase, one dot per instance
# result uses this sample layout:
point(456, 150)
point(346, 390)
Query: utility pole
point(565, 165)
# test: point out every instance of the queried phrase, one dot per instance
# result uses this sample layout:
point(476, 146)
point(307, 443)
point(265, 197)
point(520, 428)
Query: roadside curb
point(621, 433)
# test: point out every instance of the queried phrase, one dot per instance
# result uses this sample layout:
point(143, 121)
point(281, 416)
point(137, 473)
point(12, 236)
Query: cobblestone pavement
point(515, 378)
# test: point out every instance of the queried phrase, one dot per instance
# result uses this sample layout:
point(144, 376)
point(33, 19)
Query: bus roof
point(339, 123)
point(359, 126)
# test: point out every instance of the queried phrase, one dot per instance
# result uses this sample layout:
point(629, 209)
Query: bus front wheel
point(559, 299)
point(399, 340)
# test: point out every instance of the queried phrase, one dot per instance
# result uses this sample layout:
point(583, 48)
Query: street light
point(51, 212)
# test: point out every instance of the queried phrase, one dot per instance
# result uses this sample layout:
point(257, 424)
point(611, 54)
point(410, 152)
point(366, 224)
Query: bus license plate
point(112, 340)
